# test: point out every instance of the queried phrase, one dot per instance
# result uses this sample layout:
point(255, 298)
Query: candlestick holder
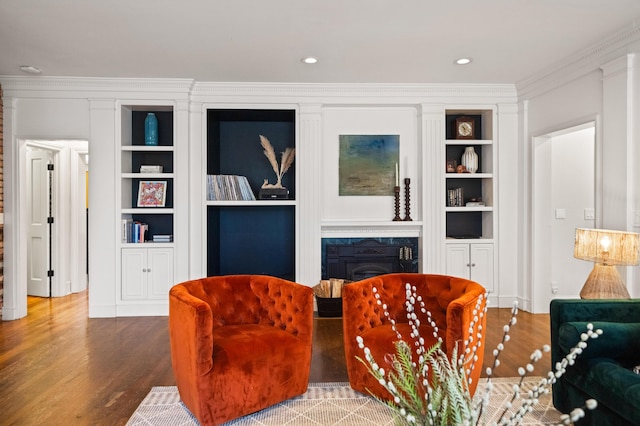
point(396, 193)
point(407, 195)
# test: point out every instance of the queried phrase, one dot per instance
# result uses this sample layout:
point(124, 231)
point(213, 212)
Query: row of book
point(228, 187)
point(133, 231)
point(455, 197)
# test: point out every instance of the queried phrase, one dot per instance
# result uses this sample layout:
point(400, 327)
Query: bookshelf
point(146, 263)
point(251, 236)
point(470, 197)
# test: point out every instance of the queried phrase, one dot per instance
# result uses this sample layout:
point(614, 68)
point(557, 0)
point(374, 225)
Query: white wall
point(605, 95)
point(572, 104)
point(38, 119)
point(368, 121)
point(573, 190)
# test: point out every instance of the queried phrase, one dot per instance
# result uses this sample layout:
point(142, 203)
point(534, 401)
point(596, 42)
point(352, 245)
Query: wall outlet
point(561, 213)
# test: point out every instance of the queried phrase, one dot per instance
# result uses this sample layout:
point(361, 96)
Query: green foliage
point(444, 399)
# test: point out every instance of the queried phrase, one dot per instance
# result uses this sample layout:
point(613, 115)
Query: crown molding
point(90, 87)
point(324, 93)
point(581, 63)
point(238, 92)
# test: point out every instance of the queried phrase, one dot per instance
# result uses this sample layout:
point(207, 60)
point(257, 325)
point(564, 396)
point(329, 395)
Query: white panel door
point(458, 260)
point(159, 272)
point(481, 256)
point(38, 210)
point(134, 273)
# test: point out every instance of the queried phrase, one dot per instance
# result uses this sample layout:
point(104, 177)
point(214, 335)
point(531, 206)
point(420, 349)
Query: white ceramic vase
point(470, 159)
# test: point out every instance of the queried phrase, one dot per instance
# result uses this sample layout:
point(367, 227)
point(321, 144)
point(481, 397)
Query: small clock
point(465, 128)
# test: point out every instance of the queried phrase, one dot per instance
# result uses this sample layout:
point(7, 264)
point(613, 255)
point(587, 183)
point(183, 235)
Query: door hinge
point(50, 273)
point(50, 167)
point(50, 220)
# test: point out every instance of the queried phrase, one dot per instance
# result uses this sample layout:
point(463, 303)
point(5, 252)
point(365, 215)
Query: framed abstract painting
point(368, 164)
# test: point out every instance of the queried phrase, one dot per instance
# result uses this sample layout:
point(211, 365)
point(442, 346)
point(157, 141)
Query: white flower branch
point(429, 388)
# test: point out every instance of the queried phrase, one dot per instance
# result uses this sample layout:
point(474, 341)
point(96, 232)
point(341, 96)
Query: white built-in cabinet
point(146, 267)
point(472, 261)
point(147, 273)
point(470, 198)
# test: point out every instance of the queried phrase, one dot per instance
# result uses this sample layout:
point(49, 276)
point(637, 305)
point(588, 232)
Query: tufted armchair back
point(252, 299)
point(451, 301)
point(239, 343)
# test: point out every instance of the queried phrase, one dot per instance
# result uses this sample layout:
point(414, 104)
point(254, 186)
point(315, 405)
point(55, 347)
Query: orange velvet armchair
point(239, 343)
point(450, 300)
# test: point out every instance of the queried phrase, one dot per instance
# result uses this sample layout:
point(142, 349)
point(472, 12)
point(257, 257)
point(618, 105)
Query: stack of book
point(133, 231)
point(151, 169)
point(228, 187)
point(162, 238)
point(455, 197)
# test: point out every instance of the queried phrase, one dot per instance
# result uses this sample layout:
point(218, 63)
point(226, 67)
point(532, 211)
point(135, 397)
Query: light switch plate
point(589, 213)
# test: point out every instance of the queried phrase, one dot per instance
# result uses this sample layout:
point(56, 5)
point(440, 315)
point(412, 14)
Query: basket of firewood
point(329, 297)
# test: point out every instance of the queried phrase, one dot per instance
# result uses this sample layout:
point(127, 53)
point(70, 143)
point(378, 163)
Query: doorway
point(564, 193)
point(54, 193)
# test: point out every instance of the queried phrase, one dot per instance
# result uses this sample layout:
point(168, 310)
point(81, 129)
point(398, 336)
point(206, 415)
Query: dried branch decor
point(429, 388)
point(286, 162)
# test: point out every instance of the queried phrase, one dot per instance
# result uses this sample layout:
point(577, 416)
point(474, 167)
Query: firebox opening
point(356, 259)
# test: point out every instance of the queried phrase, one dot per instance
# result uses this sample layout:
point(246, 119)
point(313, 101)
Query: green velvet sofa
point(604, 371)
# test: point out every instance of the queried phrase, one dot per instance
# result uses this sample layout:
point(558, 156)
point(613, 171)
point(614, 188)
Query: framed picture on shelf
point(152, 193)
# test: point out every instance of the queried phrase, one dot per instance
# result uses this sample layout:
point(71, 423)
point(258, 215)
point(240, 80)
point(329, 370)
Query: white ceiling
point(356, 41)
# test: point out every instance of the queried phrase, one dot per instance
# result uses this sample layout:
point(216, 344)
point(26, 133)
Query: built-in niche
point(250, 237)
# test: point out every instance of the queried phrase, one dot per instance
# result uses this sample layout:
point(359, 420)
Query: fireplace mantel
point(368, 229)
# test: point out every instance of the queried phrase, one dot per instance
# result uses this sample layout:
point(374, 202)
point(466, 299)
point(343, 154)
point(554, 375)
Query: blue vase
point(151, 129)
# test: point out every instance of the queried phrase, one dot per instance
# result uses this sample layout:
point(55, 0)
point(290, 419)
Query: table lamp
point(606, 248)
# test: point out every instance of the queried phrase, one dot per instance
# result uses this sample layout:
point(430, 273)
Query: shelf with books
point(247, 234)
point(147, 178)
point(469, 192)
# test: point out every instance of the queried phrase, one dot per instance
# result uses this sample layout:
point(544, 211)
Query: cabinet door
point(134, 274)
point(159, 272)
point(458, 260)
point(482, 264)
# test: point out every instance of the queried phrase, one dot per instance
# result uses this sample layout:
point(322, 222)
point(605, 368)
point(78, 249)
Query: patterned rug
point(324, 404)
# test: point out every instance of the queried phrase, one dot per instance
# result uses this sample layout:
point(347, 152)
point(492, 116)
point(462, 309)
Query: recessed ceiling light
point(463, 61)
point(309, 60)
point(30, 69)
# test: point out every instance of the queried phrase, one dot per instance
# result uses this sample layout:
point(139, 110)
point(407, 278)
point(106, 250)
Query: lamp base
point(604, 282)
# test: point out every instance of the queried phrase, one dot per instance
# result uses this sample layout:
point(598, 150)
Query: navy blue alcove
point(251, 240)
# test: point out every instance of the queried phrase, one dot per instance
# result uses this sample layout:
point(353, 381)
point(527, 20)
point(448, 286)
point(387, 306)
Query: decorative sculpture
point(286, 162)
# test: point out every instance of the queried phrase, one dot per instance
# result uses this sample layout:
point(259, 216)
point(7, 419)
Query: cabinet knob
point(468, 264)
point(473, 264)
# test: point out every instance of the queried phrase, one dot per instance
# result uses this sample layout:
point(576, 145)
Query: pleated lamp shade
point(606, 248)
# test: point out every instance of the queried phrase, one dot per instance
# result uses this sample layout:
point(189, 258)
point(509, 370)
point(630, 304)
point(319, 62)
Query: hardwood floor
point(58, 367)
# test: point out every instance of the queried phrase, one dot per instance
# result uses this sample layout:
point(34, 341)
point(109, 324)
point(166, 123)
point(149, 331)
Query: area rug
point(324, 404)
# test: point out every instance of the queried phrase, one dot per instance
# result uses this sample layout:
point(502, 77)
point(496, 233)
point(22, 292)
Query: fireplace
point(359, 258)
